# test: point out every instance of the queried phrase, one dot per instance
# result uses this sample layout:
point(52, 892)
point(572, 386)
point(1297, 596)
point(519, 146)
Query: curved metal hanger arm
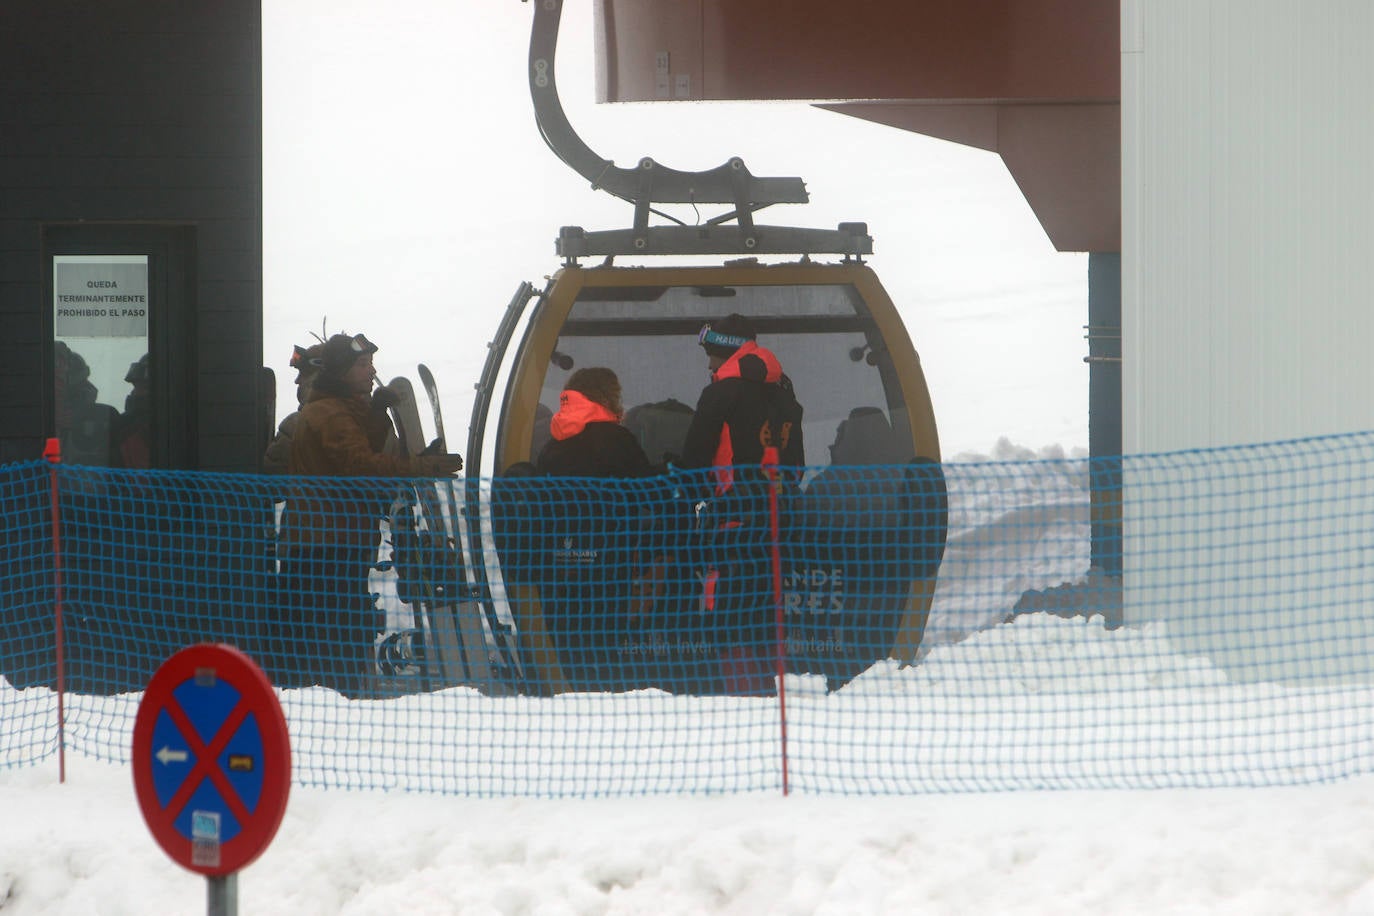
point(649, 182)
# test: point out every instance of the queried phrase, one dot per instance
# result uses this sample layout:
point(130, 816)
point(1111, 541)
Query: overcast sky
point(407, 193)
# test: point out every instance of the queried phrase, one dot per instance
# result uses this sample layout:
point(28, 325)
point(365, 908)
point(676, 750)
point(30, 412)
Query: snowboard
point(428, 576)
point(483, 621)
point(429, 565)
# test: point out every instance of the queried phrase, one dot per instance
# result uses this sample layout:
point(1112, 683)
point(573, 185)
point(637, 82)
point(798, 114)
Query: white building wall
point(1247, 220)
point(1248, 316)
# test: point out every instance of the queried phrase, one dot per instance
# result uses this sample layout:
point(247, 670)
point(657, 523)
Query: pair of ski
point(427, 555)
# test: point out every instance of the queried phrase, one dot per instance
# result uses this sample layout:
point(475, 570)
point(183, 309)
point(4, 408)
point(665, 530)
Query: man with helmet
point(306, 361)
point(330, 528)
point(748, 413)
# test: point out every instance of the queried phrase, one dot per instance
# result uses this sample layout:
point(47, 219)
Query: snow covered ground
point(82, 848)
point(1041, 702)
point(1064, 711)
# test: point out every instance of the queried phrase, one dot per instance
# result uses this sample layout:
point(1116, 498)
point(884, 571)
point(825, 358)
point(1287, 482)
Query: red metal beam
point(1037, 81)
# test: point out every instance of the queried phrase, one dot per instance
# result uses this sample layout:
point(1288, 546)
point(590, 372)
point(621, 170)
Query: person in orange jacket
point(748, 413)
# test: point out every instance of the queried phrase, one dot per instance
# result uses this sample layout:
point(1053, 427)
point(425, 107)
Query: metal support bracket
point(849, 239)
point(650, 182)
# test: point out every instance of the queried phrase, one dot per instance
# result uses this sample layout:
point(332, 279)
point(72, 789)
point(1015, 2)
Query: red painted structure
point(1036, 81)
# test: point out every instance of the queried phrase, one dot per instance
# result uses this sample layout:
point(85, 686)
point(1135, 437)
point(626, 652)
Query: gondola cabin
point(865, 533)
point(666, 581)
point(837, 333)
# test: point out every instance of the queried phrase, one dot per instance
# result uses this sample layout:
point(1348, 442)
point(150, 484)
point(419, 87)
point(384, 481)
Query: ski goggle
point(302, 361)
point(708, 337)
point(360, 344)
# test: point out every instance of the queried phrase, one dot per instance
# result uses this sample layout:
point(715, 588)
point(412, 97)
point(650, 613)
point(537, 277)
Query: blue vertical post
point(1104, 408)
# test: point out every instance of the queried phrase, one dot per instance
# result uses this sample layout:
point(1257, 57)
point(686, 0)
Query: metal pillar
point(1104, 407)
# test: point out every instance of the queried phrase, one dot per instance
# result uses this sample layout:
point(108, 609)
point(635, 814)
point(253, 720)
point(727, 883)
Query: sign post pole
point(222, 895)
point(212, 765)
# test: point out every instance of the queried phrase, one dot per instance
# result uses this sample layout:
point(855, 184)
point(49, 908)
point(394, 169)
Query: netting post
point(770, 467)
point(52, 453)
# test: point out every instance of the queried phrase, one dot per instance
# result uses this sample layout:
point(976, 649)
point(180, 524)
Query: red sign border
point(256, 696)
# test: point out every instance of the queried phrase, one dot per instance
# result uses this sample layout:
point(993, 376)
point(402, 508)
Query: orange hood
point(575, 411)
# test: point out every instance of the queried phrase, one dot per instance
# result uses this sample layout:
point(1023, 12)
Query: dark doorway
point(121, 341)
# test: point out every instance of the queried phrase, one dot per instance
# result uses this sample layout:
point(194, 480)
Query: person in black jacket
point(746, 416)
point(587, 439)
point(592, 532)
point(307, 362)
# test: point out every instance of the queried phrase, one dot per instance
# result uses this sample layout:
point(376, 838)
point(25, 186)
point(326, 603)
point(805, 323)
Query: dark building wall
point(135, 112)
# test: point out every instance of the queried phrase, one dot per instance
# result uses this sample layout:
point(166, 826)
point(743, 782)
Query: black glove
point(441, 465)
point(436, 447)
point(384, 398)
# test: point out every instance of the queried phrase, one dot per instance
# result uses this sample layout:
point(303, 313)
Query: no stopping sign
point(211, 759)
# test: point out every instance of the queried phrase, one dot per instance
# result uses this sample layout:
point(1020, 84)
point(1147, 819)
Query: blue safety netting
point(1191, 619)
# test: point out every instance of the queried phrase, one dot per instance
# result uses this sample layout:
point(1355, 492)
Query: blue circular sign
point(211, 756)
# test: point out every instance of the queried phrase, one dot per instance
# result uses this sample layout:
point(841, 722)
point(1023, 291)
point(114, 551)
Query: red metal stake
point(52, 453)
point(770, 467)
